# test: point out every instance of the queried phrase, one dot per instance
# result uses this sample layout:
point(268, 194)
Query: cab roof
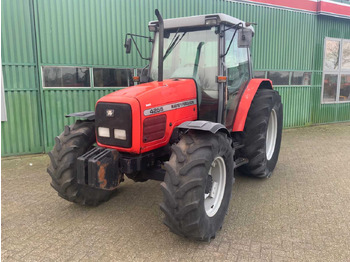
point(199, 20)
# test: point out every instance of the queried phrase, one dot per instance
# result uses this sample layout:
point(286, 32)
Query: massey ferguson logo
point(109, 113)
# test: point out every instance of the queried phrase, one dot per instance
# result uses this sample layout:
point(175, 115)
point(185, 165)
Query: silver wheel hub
point(271, 135)
point(215, 193)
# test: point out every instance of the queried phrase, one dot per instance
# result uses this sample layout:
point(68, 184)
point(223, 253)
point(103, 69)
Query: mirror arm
point(137, 48)
point(234, 34)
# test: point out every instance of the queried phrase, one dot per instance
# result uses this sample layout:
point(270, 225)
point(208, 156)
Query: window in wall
point(64, 76)
point(259, 74)
point(344, 94)
point(346, 55)
point(142, 72)
point(336, 71)
point(278, 77)
point(112, 77)
point(300, 78)
point(330, 87)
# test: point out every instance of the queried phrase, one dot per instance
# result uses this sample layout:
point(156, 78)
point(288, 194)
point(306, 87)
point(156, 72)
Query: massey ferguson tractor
point(196, 116)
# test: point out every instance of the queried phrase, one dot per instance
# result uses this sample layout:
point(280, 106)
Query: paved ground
point(302, 213)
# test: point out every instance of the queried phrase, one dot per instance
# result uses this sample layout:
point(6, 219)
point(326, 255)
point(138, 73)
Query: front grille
point(114, 116)
point(154, 128)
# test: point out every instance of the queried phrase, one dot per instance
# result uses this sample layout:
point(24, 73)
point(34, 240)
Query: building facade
point(60, 56)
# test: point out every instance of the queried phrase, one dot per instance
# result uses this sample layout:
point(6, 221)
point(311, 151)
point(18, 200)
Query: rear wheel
point(262, 134)
point(198, 184)
point(76, 140)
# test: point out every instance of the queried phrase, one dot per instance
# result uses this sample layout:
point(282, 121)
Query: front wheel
point(75, 141)
point(198, 184)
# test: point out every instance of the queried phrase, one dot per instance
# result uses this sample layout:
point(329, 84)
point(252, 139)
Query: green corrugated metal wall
point(91, 33)
point(323, 113)
point(22, 133)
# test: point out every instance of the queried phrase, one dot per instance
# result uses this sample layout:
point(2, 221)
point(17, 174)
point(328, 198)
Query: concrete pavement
point(301, 213)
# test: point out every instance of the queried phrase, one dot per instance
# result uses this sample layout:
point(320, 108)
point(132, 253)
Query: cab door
point(237, 64)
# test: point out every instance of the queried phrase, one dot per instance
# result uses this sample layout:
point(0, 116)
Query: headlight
point(120, 134)
point(103, 132)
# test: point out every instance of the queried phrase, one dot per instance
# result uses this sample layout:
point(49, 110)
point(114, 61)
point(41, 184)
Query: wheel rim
point(214, 196)
point(271, 135)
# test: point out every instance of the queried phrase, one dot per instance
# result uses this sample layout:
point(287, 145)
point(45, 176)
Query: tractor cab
point(211, 49)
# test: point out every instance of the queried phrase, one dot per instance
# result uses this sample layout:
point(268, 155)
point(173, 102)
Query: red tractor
point(195, 118)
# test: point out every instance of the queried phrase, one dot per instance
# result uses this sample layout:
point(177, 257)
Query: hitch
point(99, 168)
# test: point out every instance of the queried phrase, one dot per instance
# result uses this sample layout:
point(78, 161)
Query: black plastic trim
point(204, 126)
point(120, 119)
point(89, 115)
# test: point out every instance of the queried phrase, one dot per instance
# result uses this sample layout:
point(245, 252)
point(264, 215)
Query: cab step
point(240, 162)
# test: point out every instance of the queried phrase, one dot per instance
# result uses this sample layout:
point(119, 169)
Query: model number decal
point(169, 107)
point(155, 110)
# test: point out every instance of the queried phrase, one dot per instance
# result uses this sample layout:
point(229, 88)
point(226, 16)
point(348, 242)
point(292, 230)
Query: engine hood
point(155, 93)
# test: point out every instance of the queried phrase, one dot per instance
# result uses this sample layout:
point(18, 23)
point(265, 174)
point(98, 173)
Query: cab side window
point(237, 66)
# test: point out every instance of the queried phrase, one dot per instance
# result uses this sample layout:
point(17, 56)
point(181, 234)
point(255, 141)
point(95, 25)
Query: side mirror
point(127, 45)
point(244, 37)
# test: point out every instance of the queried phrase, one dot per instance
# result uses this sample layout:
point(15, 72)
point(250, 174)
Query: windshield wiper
point(170, 47)
point(173, 45)
point(172, 40)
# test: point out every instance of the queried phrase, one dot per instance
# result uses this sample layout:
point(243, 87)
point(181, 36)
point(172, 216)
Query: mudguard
point(246, 100)
point(89, 115)
point(204, 126)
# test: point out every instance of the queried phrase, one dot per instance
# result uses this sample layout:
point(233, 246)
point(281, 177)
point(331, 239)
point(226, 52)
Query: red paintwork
point(334, 8)
point(310, 5)
point(245, 102)
point(150, 95)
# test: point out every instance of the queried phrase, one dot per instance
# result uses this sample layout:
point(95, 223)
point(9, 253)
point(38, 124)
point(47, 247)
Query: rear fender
point(204, 126)
point(246, 100)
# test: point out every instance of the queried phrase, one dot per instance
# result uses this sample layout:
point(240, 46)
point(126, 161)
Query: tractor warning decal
point(169, 107)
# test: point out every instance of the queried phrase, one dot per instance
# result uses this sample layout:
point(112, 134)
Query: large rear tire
point(262, 134)
point(198, 184)
point(76, 140)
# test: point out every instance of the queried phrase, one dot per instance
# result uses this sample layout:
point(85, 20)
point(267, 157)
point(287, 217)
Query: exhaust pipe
point(161, 45)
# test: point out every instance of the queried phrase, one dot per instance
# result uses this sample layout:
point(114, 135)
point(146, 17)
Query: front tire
point(76, 140)
point(200, 164)
point(262, 134)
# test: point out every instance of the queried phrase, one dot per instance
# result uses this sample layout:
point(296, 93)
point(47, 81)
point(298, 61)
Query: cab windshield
point(192, 54)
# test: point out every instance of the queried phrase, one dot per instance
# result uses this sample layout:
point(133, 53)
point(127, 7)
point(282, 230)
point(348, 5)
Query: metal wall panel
point(20, 77)
point(21, 134)
point(36, 33)
point(90, 32)
point(60, 102)
point(17, 44)
point(296, 105)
